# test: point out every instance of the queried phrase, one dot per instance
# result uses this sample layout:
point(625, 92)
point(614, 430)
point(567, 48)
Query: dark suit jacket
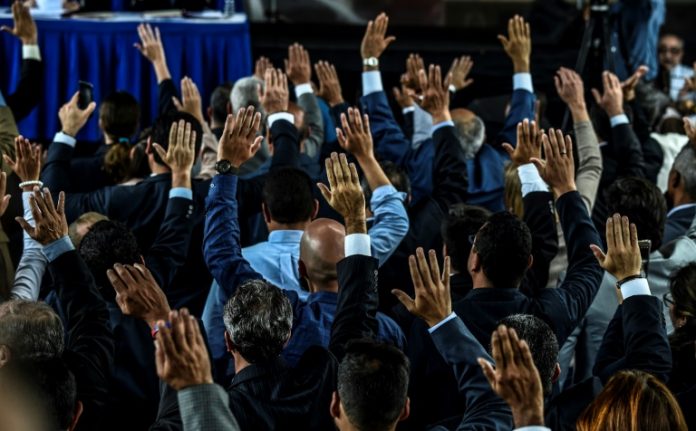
point(29, 89)
point(678, 223)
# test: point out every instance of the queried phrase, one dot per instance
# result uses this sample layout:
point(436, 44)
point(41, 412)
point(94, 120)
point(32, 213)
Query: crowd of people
point(287, 260)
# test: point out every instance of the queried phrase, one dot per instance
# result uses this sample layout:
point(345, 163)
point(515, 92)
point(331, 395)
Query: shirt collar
point(323, 297)
point(679, 208)
point(289, 236)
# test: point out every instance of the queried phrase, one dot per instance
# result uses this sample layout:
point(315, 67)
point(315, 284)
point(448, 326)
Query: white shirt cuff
point(31, 52)
point(371, 82)
point(357, 243)
point(522, 81)
point(64, 139)
point(442, 322)
point(533, 428)
point(280, 116)
point(452, 88)
point(618, 120)
point(408, 109)
point(303, 89)
point(638, 286)
point(530, 179)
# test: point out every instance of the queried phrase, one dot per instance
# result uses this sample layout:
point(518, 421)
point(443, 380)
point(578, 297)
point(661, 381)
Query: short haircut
point(472, 134)
point(644, 205)
point(462, 223)
point(120, 114)
point(373, 384)
point(504, 245)
point(685, 164)
point(107, 243)
point(30, 329)
point(162, 126)
point(88, 218)
point(683, 289)
point(542, 343)
point(397, 177)
point(245, 92)
point(258, 319)
point(674, 35)
point(219, 100)
point(288, 195)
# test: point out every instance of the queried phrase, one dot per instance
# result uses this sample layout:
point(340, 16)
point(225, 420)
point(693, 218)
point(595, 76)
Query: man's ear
point(406, 412)
point(556, 373)
point(228, 342)
point(675, 179)
point(266, 212)
point(530, 261)
point(148, 146)
point(5, 355)
point(335, 407)
point(302, 268)
point(79, 408)
point(475, 261)
point(209, 113)
point(316, 209)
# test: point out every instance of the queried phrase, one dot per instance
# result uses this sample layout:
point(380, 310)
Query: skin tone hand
point(190, 100)
point(629, 85)
point(435, 94)
point(515, 378)
point(518, 43)
point(24, 25)
point(151, 47)
point(622, 258)
point(180, 153)
point(4, 199)
point(239, 141)
point(689, 84)
point(356, 138)
point(344, 193)
point(329, 85)
point(181, 356)
point(571, 90)
point(262, 64)
point(27, 164)
point(414, 64)
point(404, 96)
point(375, 41)
point(138, 294)
point(433, 302)
point(460, 69)
point(528, 143)
point(72, 118)
point(690, 130)
point(297, 65)
point(50, 222)
point(275, 97)
point(612, 98)
point(558, 170)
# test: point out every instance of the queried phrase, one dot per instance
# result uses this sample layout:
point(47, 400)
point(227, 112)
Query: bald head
point(471, 130)
point(321, 248)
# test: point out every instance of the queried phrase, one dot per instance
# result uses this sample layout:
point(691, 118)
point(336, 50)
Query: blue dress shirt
point(278, 259)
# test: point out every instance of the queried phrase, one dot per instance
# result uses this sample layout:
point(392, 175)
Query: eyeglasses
point(668, 299)
point(674, 50)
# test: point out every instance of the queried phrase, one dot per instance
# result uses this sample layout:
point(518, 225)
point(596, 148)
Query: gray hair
point(31, 329)
point(258, 319)
point(471, 135)
point(685, 164)
point(245, 92)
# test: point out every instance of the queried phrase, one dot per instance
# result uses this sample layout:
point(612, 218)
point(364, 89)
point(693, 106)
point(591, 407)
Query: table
point(102, 52)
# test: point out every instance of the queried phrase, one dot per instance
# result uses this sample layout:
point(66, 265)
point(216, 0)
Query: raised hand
point(275, 96)
point(138, 294)
point(356, 137)
point(558, 170)
point(528, 143)
point(404, 96)
point(375, 41)
point(344, 193)
point(690, 130)
point(629, 86)
point(262, 64)
point(297, 65)
point(515, 378)
point(4, 199)
point(622, 258)
point(239, 141)
point(151, 47)
point(329, 85)
point(72, 118)
point(612, 98)
point(435, 94)
point(570, 87)
point(518, 43)
point(180, 153)
point(414, 64)
point(433, 302)
point(181, 356)
point(460, 69)
point(689, 84)
point(190, 99)
point(49, 220)
point(24, 25)
point(27, 163)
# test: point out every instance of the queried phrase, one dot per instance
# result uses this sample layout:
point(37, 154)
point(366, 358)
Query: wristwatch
point(224, 167)
point(371, 62)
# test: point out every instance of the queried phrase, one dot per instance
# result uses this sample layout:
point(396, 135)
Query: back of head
point(542, 343)
point(373, 384)
point(162, 126)
point(107, 243)
point(513, 191)
point(321, 248)
point(79, 228)
point(258, 319)
point(685, 165)
point(117, 162)
point(245, 92)
point(683, 289)
point(504, 245)
point(287, 194)
point(397, 177)
point(471, 131)
point(643, 203)
point(457, 230)
point(633, 401)
point(219, 100)
point(119, 115)
point(30, 330)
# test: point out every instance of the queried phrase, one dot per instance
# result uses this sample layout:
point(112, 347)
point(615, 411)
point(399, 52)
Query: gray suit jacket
point(206, 408)
point(314, 122)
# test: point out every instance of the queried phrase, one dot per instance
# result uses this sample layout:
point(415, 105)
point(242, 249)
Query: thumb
point(90, 108)
point(597, 96)
point(342, 140)
point(7, 29)
point(406, 300)
point(510, 150)
point(325, 192)
point(177, 104)
point(26, 226)
point(256, 146)
point(488, 371)
point(160, 151)
point(503, 40)
point(540, 164)
point(598, 253)
point(389, 40)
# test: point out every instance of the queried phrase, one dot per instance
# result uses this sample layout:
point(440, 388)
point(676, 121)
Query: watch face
point(223, 166)
point(372, 61)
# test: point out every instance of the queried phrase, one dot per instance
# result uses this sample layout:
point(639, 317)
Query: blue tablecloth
point(102, 52)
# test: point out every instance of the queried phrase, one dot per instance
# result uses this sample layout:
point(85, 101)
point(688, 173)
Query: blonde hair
point(513, 191)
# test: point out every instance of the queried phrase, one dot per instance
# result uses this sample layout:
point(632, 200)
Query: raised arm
point(152, 49)
point(284, 136)
point(299, 70)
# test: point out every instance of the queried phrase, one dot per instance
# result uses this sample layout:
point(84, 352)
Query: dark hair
point(396, 175)
point(683, 289)
point(119, 114)
point(504, 245)
point(117, 162)
point(542, 343)
point(219, 100)
point(643, 203)
point(162, 126)
point(258, 319)
point(107, 243)
point(373, 384)
point(288, 196)
point(30, 329)
point(685, 164)
point(462, 222)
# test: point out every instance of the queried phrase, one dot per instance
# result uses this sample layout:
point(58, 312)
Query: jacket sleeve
point(314, 122)
point(449, 169)
point(540, 218)
point(627, 152)
point(390, 223)
point(29, 89)
point(165, 91)
point(589, 170)
point(390, 142)
point(521, 107)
